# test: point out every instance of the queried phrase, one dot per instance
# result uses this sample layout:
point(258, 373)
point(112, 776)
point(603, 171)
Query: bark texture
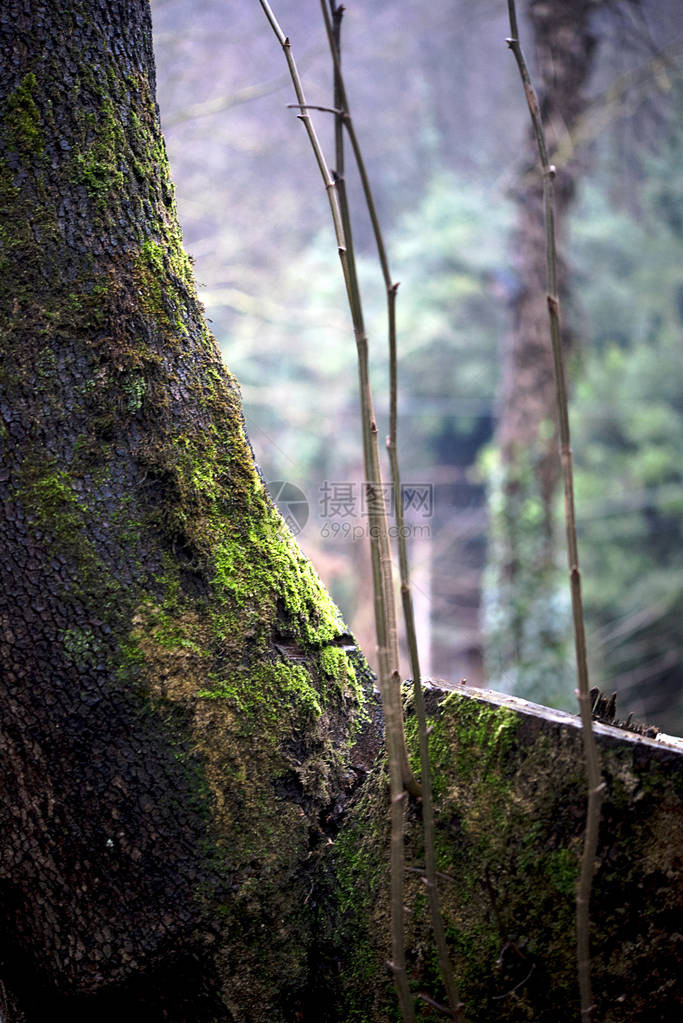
point(563, 47)
point(510, 810)
point(179, 700)
point(529, 624)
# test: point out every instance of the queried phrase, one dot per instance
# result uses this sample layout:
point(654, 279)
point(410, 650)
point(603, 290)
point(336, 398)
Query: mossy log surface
point(179, 699)
point(509, 788)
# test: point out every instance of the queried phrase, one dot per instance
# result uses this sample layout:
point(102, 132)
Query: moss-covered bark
point(510, 806)
point(179, 698)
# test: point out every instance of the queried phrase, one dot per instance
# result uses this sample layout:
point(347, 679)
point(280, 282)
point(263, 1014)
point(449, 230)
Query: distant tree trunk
point(178, 705)
point(528, 614)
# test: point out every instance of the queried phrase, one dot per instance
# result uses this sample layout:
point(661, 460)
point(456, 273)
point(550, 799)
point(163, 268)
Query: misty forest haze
point(439, 110)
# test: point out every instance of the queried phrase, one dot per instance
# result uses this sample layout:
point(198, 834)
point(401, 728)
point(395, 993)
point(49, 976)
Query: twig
point(344, 120)
point(313, 138)
point(512, 991)
point(400, 776)
point(595, 784)
point(385, 612)
point(222, 103)
point(315, 106)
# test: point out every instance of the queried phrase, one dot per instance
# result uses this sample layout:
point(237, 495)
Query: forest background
point(438, 108)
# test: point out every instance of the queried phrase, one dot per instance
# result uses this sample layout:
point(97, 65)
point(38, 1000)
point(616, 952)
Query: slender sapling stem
point(595, 784)
point(345, 121)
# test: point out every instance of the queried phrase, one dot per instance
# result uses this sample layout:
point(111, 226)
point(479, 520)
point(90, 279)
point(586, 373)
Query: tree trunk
point(179, 697)
point(529, 624)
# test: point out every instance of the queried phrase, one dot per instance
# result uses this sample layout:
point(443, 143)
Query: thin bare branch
point(400, 776)
point(313, 138)
point(315, 106)
point(385, 613)
point(333, 19)
point(595, 786)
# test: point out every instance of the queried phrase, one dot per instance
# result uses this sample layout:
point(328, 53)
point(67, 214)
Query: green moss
point(360, 872)
point(8, 196)
point(219, 666)
point(134, 389)
point(336, 667)
point(563, 868)
point(63, 523)
point(50, 500)
point(266, 563)
point(98, 165)
point(262, 690)
point(216, 502)
point(173, 633)
point(84, 308)
point(22, 120)
point(164, 283)
point(484, 735)
point(480, 803)
point(265, 567)
point(82, 647)
point(46, 362)
point(171, 257)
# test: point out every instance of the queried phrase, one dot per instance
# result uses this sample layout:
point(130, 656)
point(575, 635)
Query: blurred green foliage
point(449, 255)
point(628, 437)
point(626, 413)
point(437, 105)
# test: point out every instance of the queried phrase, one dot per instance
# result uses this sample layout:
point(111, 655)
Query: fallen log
point(510, 804)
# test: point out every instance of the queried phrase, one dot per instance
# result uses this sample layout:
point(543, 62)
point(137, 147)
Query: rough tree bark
point(179, 700)
point(530, 622)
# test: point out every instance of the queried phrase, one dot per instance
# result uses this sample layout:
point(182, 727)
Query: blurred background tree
point(438, 108)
